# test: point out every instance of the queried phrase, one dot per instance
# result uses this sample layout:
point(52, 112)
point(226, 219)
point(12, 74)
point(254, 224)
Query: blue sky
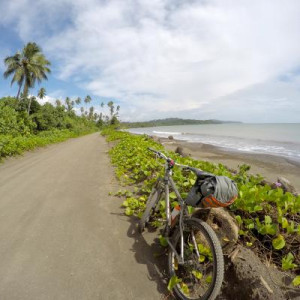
point(218, 59)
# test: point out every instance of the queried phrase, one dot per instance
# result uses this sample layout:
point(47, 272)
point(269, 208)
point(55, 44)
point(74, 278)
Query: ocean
point(275, 139)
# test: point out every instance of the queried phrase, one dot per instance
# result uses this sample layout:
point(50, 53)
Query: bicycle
point(195, 259)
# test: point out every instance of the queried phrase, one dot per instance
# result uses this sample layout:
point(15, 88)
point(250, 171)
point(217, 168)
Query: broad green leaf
point(242, 232)
point(268, 220)
point(192, 181)
point(258, 208)
point(128, 211)
point(287, 262)
point(197, 274)
point(163, 241)
point(250, 226)
point(191, 209)
point(271, 229)
point(201, 258)
point(185, 288)
point(291, 227)
point(172, 196)
point(296, 281)
point(172, 282)
point(279, 242)
point(239, 219)
point(284, 222)
point(208, 279)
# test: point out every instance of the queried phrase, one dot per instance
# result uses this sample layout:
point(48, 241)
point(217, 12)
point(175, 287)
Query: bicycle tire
point(217, 263)
point(150, 205)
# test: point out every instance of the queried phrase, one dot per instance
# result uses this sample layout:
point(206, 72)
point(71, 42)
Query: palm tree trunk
point(29, 104)
point(25, 91)
point(19, 90)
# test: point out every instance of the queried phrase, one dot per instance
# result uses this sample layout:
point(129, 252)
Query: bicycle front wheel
point(152, 202)
point(201, 275)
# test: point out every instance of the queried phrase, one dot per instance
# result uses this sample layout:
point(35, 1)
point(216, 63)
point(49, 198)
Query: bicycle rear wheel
point(152, 202)
point(201, 275)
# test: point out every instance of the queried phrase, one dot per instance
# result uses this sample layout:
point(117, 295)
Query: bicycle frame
point(168, 182)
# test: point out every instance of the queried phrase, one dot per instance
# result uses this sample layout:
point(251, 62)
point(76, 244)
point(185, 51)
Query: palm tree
point(42, 93)
point(58, 102)
point(110, 104)
point(13, 64)
point(27, 67)
point(82, 110)
point(91, 112)
point(78, 101)
point(69, 104)
point(87, 99)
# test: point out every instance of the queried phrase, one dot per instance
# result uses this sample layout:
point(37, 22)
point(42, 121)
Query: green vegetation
point(170, 122)
point(26, 124)
point(46, 124)
point(269, 219)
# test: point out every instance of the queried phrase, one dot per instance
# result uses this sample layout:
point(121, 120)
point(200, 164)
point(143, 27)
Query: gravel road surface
point(63, 237)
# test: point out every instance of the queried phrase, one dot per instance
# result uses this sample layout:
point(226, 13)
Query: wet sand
point(269, 166)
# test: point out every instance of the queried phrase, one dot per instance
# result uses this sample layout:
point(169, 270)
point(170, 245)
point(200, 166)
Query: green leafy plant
point(279, 242)
point(287, 262)
point(296, 281)
point(173, 281)
point(268, 218)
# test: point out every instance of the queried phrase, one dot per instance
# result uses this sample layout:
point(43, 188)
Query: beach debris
point(155, 139)
point(286, 185)
point(232, 171)
point(179, 150)
point(266, 182)
point(170, 137)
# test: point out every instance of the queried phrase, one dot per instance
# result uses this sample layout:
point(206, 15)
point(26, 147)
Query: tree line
point(24, 111)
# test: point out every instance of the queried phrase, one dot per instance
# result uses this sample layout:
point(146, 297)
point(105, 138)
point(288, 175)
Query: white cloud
point(46, 99)
point(163, 57)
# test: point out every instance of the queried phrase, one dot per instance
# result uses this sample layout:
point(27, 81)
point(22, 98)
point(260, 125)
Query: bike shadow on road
point(148, 251)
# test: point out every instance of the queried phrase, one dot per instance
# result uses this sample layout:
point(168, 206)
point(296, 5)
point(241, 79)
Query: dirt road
point(63, 237)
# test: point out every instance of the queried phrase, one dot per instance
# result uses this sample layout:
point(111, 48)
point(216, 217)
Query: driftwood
point(180, 151)
point(223, 224)
point(281, 183)
point(155, 139)
point(286, 185)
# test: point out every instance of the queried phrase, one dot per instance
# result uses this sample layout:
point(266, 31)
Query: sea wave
point(166, 132)
point(250, 143)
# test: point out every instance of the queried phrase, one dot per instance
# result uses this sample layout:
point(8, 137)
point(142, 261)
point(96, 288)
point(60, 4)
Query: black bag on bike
point(210, 190)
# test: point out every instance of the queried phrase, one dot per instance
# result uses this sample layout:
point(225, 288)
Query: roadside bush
point(14, 123)
point(14, 145)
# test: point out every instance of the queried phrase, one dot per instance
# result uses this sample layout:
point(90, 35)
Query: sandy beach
point(269, 166)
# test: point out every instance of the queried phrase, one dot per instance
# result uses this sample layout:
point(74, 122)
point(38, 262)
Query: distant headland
point(172, 121)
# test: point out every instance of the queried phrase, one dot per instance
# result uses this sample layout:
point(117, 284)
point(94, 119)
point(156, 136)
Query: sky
point(205, 59)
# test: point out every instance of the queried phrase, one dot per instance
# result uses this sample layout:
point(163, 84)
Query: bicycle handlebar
point(160, 154)
point(168, 159)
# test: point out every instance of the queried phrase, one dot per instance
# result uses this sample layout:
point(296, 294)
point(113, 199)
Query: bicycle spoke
point(195, 276)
